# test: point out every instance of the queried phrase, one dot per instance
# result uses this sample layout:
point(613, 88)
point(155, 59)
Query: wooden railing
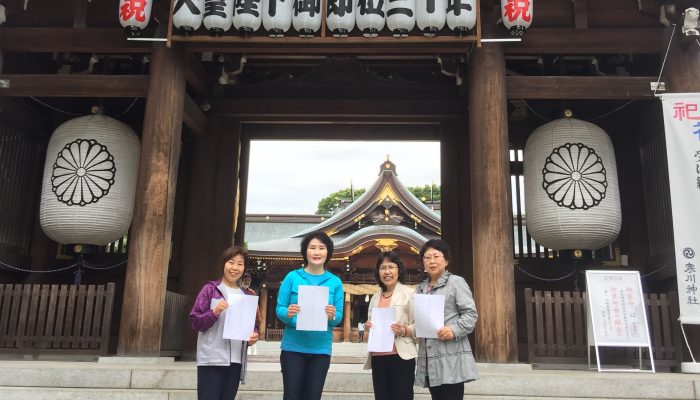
point(274, 335)
point(71, 319)
point(557, 328)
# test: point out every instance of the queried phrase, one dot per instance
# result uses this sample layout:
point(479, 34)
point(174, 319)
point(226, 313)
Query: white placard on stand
point(617, 314)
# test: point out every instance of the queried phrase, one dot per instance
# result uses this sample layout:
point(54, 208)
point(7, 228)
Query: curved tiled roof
point(365, 201)
point(351, 209)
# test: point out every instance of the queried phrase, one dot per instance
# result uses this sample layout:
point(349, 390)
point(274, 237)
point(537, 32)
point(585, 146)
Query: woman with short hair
point(392, 371)
point(306, 355)
point(221, 363)
point(446, 363)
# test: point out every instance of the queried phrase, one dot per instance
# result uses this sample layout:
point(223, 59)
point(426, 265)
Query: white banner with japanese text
point(682, 123)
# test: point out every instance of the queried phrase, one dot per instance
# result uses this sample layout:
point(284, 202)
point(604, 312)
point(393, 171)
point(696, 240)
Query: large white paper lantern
point(247, 16)
point(277, 16)
point(401, 17)
point(134, 15)
point(87, 194)
point(218, 16)
point(430, 16)
point(188, 15)
point(517, 15)
point(307, 17)
point(461, 16)
point(340, 17)
point(572, 200)
point(370, 17)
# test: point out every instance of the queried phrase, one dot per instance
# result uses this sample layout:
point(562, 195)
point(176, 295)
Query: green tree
point(423, 192)
point(329, 203)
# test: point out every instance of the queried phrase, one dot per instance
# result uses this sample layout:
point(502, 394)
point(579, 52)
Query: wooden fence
point(71, 319)
point(557, 328)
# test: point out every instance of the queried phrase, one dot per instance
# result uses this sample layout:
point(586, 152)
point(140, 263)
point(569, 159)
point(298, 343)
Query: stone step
point(177, 380)
point(23, 393)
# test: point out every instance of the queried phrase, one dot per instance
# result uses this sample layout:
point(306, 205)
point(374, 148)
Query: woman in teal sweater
point(306, 355)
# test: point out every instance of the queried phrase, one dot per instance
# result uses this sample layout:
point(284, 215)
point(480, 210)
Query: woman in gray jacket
point(445, 363)
point(221, 363)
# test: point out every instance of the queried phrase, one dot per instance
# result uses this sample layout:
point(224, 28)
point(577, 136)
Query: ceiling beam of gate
point(579, 87)
point(536, 41)
point(23, 85)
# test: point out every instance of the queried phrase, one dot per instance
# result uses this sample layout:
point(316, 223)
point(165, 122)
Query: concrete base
point(136, 360)
point(690, 368)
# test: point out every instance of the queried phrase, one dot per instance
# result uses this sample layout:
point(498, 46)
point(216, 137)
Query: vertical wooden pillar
point(209, 214)
point(263, 312)
point(151, 229)
point(681, 76)
point(456, 210)
point(240, 211)
point(347, 312)
point(492, 233)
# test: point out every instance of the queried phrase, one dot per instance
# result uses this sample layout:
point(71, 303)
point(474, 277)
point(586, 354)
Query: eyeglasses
point(388, 267)
point(429, 257)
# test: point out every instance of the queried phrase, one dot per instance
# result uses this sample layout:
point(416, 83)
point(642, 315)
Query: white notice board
point(616, 311)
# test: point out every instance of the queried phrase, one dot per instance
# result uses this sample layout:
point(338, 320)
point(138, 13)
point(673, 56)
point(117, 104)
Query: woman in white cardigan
point(393, 372)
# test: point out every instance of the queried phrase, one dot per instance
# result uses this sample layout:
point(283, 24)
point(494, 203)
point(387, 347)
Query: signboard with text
point(616, 311)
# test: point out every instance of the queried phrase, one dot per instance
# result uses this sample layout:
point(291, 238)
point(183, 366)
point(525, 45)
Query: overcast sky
point(290, 177)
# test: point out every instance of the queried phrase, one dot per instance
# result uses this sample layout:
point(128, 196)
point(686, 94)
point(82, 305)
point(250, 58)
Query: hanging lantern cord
point(78, 274)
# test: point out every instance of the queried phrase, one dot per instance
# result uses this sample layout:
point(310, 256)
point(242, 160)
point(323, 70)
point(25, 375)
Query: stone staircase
point(158, 379)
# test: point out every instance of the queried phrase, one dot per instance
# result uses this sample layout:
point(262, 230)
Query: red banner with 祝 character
point(682, 123)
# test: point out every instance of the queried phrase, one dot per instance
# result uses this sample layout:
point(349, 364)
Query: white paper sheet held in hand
point(312, 308)
point(240, 317)
point(429, 313)
point(381, 338)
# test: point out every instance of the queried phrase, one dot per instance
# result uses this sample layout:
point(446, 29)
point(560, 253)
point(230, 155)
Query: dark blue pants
point(218, 382)
point(303, 375)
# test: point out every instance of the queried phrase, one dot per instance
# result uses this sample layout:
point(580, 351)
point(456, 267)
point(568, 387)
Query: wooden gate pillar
point(263, 312)
point(347, 313)
point(151, 229)
point(492, 231)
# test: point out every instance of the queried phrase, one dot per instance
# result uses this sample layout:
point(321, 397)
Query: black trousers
point(393, 377)
point(453, 391)
point(218, 382)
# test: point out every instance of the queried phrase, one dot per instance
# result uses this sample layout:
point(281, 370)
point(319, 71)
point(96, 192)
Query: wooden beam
point(401, 110)
point(194, 117)
point(77, 40)
point(328, 45)
point(580, 14)
point(197, 78)
point(579, 87)
point(80, 13)
point(589, 41)
point(75, 85)
point(536, 41)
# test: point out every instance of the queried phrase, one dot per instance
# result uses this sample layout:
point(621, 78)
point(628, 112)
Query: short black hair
point(437, 244)
point(325, 239)
point(231, 252)
point(392, 257)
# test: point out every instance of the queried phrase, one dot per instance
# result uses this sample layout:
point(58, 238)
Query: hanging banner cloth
point(682, 123)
